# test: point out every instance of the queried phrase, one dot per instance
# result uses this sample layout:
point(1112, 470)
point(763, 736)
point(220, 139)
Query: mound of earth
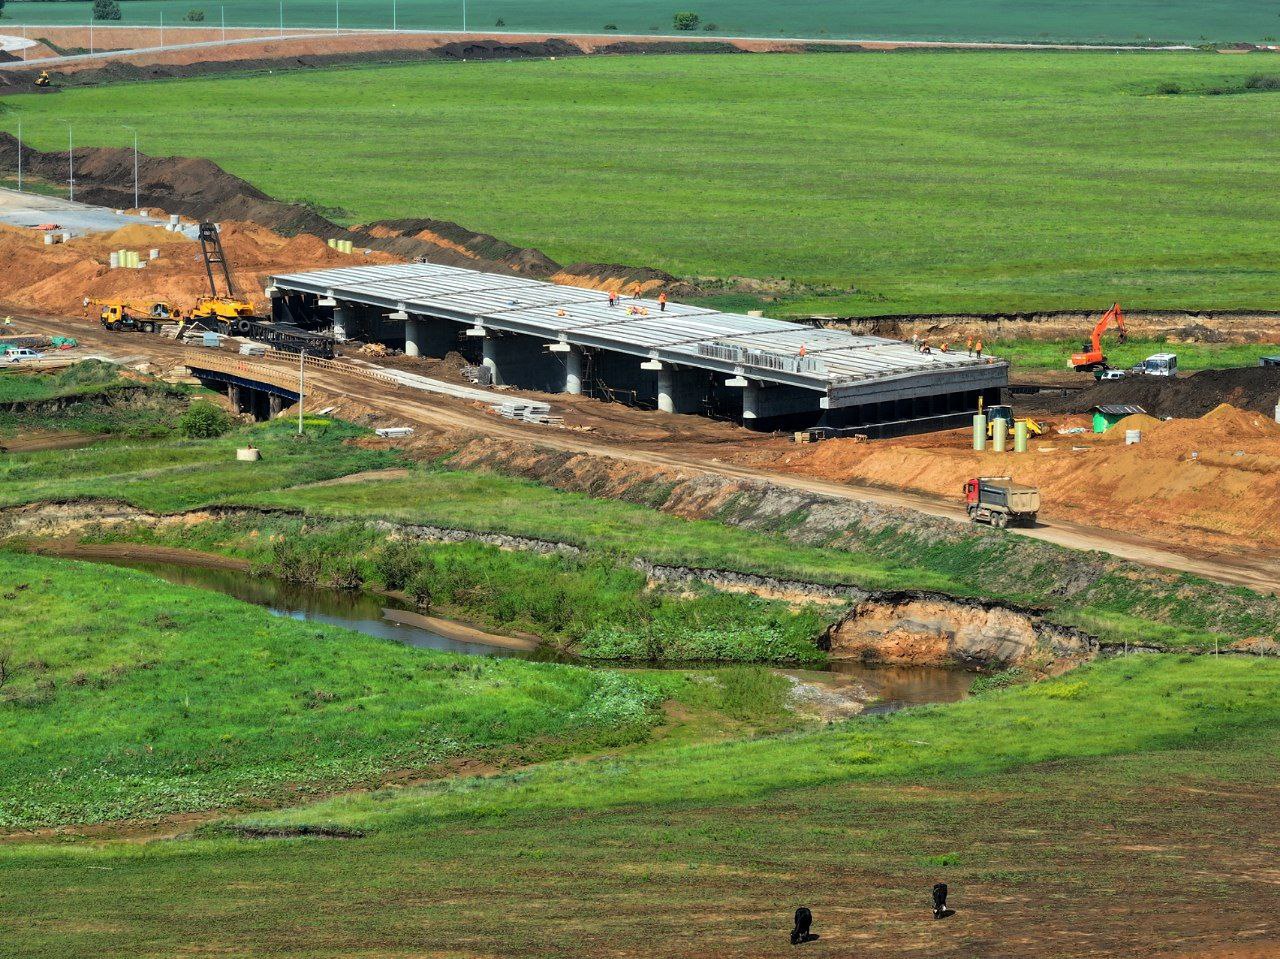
point(200, 189)
point(1255, 388)
point(56, 278)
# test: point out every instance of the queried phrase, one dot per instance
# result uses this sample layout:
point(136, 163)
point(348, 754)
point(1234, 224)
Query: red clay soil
point(1211, 482)
point(56, 278)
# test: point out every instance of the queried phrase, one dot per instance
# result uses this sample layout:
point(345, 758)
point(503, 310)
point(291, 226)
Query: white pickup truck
point(19, 354)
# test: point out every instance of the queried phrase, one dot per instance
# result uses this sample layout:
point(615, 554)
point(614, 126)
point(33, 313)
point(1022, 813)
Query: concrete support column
point(666, 389)
point(342, 317)
point(277, 405)
point(573, 371)
point(750, 403)
point(412, 337)
point(237, 401)
point(489, 352)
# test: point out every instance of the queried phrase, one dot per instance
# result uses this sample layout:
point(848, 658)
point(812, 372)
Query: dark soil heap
point(200, 189)
point(1255, 388)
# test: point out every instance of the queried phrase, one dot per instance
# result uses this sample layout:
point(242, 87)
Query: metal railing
point(762, 359)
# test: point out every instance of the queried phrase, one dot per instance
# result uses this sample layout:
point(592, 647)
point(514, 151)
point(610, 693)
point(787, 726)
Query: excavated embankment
point(931, 629)
point(200, 189)
point(1176, 326)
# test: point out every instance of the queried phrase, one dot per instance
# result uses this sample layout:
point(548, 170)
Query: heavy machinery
point(229, 307)
point(1001, 502)
point(43, 79)
point(1092, 357)
point(123, 316)
point(1005, 412)
point(231, 315)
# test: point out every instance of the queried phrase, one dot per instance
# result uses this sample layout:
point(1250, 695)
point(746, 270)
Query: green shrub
point(203, 421)
point(686, 21)
point(106, 10)
point(1263, 81)
point(397, 563)
point(195, 16)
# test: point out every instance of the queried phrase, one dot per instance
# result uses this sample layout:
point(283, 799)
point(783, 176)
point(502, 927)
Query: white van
point(20, 354)
point(1160, 364)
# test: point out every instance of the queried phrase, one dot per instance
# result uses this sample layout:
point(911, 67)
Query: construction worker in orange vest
point(977, 348)
point(968, 346)
point(662, 302)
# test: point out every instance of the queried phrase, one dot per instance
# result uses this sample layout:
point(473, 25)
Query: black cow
point(801, 933)
point(939, 899)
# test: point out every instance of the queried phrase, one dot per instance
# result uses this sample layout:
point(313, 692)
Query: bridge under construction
point(678, 358)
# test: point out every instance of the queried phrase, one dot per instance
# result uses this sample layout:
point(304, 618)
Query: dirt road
point(443, 414)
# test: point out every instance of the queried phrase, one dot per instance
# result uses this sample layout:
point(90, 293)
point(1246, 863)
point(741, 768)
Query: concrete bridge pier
point(489, 358)
point(276, 404)
point(572, 357)
point(751, 403)
point(342, 317)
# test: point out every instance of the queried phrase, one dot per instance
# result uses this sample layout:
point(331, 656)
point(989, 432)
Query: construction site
point(373, 575)
point(621, 364)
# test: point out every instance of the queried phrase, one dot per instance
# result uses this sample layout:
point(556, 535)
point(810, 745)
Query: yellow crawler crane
point(227, 308)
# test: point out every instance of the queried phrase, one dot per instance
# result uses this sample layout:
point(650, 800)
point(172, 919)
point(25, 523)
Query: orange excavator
point(1092, 358)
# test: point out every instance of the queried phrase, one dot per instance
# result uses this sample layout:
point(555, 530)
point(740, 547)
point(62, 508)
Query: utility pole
point(337, 16)
point(393, 16)
point(302, 383)
point(19, 156)
point(282, 18)
point(91, 31)
point(136, 204)
point(224, 23)
point(71, 166)
point(464, 16)
point(162, 28)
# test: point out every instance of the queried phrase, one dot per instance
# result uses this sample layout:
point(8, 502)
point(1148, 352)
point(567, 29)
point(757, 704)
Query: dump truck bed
point(1014, 497)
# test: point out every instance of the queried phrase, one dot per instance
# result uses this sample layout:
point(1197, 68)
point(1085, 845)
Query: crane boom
point(211, 250)
point(1092, 357)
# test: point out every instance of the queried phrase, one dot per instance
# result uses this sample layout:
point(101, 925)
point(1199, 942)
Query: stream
point(893, 687)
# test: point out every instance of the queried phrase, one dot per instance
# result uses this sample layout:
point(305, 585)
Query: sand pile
point(1138, 421)
point(1212, 481)
point(139, 235)
point(57, 278)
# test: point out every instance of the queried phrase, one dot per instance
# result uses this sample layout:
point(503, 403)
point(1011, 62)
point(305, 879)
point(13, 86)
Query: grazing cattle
point(801, 933)
point(939, 899)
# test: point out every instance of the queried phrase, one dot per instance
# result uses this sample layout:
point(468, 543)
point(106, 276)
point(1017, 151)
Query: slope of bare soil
point(202, 190)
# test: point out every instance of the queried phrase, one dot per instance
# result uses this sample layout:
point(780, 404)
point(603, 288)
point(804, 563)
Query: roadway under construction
point(767, 374)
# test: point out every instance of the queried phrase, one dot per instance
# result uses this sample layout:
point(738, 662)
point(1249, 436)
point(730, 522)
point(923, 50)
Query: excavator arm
point(1092, 357)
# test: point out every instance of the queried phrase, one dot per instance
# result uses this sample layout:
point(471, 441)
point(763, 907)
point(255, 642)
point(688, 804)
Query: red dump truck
point(1000, 501)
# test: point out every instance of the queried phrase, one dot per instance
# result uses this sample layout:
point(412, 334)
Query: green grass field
point(879, 184)
point(1146, 776)
point(142, 698)
point(178, 474)
point(1192, 357)
point(1126, 22)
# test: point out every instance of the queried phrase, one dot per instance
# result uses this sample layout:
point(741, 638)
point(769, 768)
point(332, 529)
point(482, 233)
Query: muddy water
point(356, 610)
point(896, 687)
